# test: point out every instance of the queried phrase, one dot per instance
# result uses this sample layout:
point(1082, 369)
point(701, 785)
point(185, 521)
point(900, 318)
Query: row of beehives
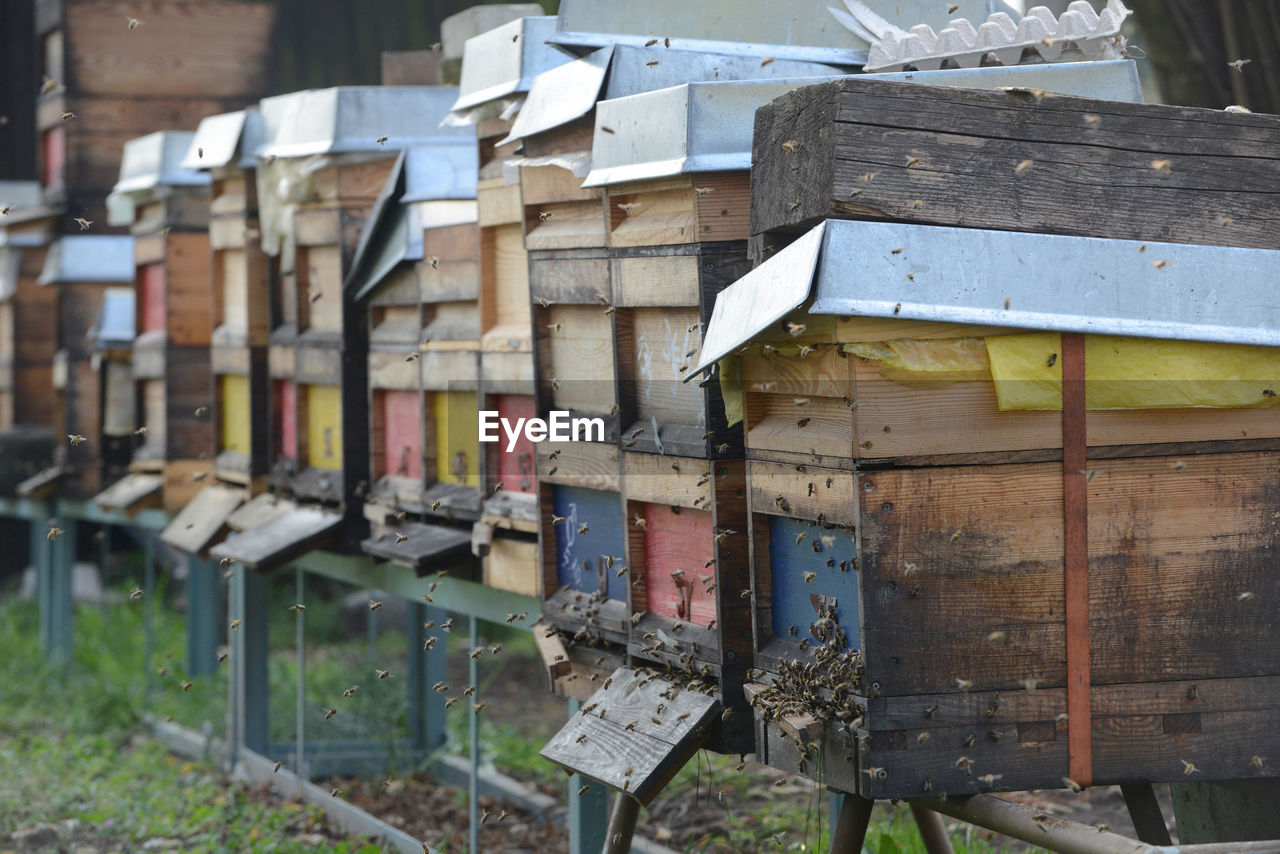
point(365, 309)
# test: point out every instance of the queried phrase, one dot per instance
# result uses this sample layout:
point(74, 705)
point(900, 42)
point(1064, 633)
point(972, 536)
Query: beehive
point(906, 382)
point(414, 299)
point(81, 269)
point(166, 208)
point(497, 69)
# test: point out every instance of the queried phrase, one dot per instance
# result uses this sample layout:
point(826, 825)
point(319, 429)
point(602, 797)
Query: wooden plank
point(674, 481)
point(578, 368)
point(590, 465)
point(653, 346)
point(813, 493)
point(655, 280)
point(258, 511)
point(188, 298)
point(319, 365)
point(555, 659)
point(504, 285)
point(1150, 564)
point(286, 536)
point(512, 565)
point(569, 276)
point(392, 371)
point(131, 493)
point(450, 369)
point(498, 203)
point(969, 144)
point(723, 203)
point(660, 212)
point(625, 749)
point(545, 184)
point(203, 519)
point(320, 285)
point(451, 270)
point(564, 225)
point(317, 225)
point(420, 547)
point(324, 426)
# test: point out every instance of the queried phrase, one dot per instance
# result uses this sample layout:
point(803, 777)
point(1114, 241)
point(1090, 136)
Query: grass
point(70, 744)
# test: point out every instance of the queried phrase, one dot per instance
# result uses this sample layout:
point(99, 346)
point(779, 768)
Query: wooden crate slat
point(203, 519)
point(275, 542)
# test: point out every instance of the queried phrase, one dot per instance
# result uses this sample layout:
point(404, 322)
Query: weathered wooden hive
point(166, 208)
point(423, 354)
point(238, 301)
point(106, 82)
point(497, 70)
point(566, 236)
point(80, 270)
point(28, 337)
point(325, 155)
point(1010, 482)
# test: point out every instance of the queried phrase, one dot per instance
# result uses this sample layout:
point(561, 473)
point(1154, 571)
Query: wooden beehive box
point(412, 298)
point(183, 62)
point(319, 174)
point(498, 67)
point(881, 372)
point(83, 268)
point(28, 337)
point(166, 209)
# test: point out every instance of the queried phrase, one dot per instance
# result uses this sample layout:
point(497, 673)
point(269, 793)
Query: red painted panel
point(53, 144)
point(402, 431)
point(151, 297)
point(515, 468)
point(675, 541)
point(286, 402)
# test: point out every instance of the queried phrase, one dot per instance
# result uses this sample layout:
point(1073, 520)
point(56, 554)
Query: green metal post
point(248, 683)
point(588, 813)
point(416, 675)
point(437, 670)
point(473, 805)
point(204, 613)
point(148, 593)
point(55, 573)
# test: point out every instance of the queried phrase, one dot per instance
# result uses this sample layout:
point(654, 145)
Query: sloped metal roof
point(225, 139)
point(89, 258)
point(504, 61)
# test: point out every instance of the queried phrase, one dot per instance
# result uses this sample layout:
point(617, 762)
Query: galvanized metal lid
point(697, 127)
point(10, 264)
point(114, 329)
point(460, 26)
point(1047, 282)
point(705, 127)
point(800, 29)
point(447, 170)
point(504, 61)
point(155, 160)
point(89, 258)
point(348, 119)
point(20, 194)
point(570, 91)
point(227, 139)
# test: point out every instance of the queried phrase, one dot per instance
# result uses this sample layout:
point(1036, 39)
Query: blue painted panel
point(791, 555)
point(601, 512)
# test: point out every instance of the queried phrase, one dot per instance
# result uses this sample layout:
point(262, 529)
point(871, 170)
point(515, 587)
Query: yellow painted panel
point(234, 413)
point(324, 426)
point(456, 414)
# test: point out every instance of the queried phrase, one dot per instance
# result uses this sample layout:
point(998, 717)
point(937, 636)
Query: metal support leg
point(932, 831)
point(415, 675)
point(204, 612)
point(248, 683)
point(851, 827)
point(300, 709)
point(148, 613)
point(622, 827)
point(1144, 809)
point(437, 670)
point(588, 813)
point(474, 746)
point(54, 575)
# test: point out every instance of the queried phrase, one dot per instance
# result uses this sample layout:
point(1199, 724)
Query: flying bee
point(83, 223)
point(382, 141)
point(1160, 264)
point(68, 116)
point(584, 528)
point(350, 692)
point(328, 713)
point(222, 656)
point(789, 146)
point(1023, 167)
point(544, 216)
point(236, 624)
point(809, 577)
point(1188, 768)
point(299, 607)
point(382, 674)
point(912, 162)
point(276, 767)
point(374, 605)
point(963, 684)
point(76, 439)
point(1162, 166)
point(628, 207)
point(136, 593)
point(451, 702)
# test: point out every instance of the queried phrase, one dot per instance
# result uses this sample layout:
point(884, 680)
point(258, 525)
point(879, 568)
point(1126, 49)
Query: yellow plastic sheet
point(927, 362)
point(1135, 373)
point(730, 372)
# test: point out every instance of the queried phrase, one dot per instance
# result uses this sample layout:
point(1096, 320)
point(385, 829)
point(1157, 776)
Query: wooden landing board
point(257, 511)
point(42, 484)
point(132, 493)
point(633, 736)
point(423, 546)
point(203, 519)
point(860, 148)
point(274, 543)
